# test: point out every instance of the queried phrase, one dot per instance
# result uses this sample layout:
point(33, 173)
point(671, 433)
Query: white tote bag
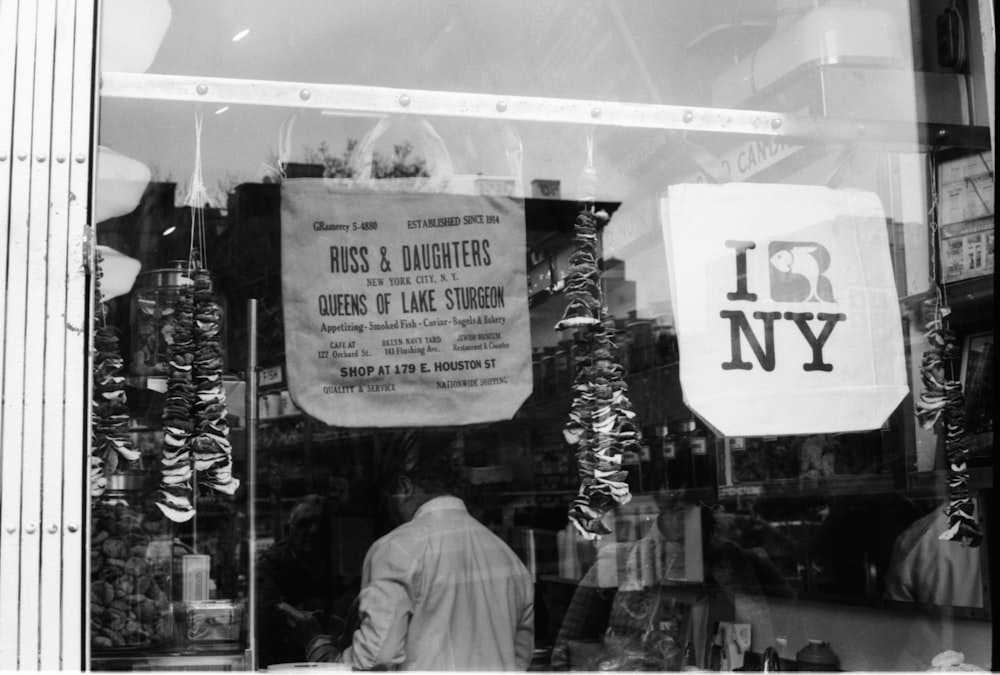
point(786, 308)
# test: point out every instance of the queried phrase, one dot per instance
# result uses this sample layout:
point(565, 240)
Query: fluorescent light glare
point(352, 113)
point(242, 34)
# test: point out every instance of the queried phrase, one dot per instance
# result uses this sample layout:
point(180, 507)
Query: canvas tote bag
point(786, 309)
point(404, 299)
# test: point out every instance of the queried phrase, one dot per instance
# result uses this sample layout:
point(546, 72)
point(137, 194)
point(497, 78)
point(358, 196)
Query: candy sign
point(786, 309)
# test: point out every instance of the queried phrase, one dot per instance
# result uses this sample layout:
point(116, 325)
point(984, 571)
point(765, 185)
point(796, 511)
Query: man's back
point(442, 592)
point(930, 571)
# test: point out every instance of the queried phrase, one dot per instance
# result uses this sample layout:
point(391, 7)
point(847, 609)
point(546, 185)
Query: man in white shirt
point(441, 591)
point(926, 570)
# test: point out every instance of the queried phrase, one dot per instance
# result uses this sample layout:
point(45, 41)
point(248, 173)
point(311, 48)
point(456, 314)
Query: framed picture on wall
point(978, 386)
point(973, 351)
point(965, 214)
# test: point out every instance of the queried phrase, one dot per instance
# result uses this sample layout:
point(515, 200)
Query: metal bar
point(988, 40)
point(12, 534)
point(983, 504)
point(251, 480)
point(53, 406)
point(75, 613)
point(36, 341)
point(8, 52)
point(363, 100)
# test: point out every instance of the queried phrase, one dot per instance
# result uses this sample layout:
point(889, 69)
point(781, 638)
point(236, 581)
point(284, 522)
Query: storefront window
point(683, 293)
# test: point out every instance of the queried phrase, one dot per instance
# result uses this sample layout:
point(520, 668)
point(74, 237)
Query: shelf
point(159, 382)
point(679, 586)
point(935, 483)
point(970, 300)
point(275, 419)
point(233, 387)
point(970, 291)
point(812, 487)
point(541, 402)
point(230, 660)
point(265, 446)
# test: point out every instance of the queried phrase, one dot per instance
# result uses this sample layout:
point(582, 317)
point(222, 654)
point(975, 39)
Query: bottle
point(536, 371)
point(701, 463)
point(772, 655)
point(681, 464)
point(675, 470)
point(549, 385)
point(688, 661)
point(715, 657)
point(563, 379)
point(770, 661)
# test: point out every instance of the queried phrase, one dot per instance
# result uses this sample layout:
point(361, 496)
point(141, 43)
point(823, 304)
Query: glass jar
point(153, 318)
point(130, 581)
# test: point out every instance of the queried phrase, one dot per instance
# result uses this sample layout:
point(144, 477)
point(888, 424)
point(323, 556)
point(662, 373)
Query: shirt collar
point(445, 503)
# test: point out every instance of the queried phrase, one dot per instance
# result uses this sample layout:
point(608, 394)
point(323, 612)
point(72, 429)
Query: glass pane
point(572, 247)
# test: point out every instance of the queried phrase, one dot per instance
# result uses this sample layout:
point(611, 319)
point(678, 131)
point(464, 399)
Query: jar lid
point(167, 276)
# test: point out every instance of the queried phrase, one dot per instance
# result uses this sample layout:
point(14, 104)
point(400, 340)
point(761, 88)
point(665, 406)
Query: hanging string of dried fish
point(210, 445)
point(942, 407)
point(111, 441)
point(582, 291)
point(174, 497)
point(600, 421)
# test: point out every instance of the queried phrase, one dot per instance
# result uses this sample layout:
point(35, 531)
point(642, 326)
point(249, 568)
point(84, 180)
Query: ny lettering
point(739, 325)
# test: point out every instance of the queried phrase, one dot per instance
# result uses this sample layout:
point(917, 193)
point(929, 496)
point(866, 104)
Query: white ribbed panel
point(46, 87)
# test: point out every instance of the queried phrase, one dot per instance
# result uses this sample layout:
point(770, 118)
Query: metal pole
point(251, 478)
point(988, 40)
point(367, 101)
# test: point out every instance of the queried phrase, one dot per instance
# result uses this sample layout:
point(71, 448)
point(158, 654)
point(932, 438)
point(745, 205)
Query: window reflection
point(770, 519)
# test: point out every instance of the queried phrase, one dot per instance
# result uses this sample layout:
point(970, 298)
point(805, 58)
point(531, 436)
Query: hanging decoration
point(211, 446)
point(111, 441)
point(175, 495)
point(941, 406)
point(195, 427)
point(600, 421)
point(582, 290)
